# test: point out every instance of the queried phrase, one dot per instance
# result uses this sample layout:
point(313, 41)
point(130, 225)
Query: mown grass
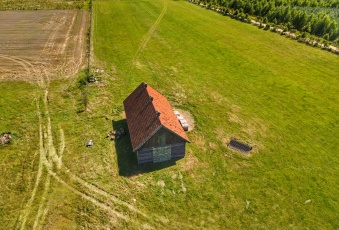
point(236, 80)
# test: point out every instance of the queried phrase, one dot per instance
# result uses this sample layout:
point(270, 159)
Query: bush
point(267, 27)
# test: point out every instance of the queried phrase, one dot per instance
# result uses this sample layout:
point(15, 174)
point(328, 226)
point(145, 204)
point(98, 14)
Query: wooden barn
point(155, 131)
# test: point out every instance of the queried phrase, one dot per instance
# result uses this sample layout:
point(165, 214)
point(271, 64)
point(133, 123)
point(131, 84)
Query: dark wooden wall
point(162, 139)
point(157, 138)
point(145, 155)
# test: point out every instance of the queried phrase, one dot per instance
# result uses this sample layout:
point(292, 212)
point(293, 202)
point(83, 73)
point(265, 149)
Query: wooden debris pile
point(5, 138)
point(116, 134)
point(93, 78)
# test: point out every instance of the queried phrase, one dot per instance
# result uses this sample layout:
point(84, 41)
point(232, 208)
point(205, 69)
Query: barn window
point(162, 139)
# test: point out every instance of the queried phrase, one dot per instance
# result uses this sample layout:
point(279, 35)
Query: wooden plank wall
point(146, 155)
point(178, 150)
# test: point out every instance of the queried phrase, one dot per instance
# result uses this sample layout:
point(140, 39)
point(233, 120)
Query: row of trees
point(303, 3)
point(292, 14)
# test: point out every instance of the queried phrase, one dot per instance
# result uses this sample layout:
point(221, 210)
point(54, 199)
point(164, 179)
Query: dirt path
point(150, 33)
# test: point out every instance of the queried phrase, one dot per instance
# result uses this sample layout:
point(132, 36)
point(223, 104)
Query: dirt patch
point(255, 128)
point(191, 162)
point(35, 43)
point(232, 117)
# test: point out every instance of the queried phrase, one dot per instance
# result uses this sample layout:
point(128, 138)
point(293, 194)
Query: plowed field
point(41, 4)
point(35, 43)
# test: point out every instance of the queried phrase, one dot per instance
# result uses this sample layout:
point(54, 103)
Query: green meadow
point(237, 81)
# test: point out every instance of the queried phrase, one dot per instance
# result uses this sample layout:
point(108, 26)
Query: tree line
point(288, 14)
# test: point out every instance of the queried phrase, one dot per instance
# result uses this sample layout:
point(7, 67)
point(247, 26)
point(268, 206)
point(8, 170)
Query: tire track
point(51, 154)
point(49, 45)
point(67, 36)
point(42, 211)
point(42, 206)
point(27, 209)
point(25, 64)
point(75, 62)
point(61, 144)
point(49, 158)
point(80, 44)
point(43, 217)
point(150, 33)
point(30, 68)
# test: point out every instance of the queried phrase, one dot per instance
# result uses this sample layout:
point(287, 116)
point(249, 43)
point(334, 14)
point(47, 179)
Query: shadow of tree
point(127, 159)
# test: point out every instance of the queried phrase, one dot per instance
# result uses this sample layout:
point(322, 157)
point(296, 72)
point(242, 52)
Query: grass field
point(236, 80)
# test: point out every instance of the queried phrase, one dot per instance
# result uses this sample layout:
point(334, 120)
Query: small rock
point(247, 203)
point(89, 143)
point(308, 201)
point(161, 183)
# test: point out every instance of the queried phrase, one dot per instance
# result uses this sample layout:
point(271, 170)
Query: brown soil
point(34, 43)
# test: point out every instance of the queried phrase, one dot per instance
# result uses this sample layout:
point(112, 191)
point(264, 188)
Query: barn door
point(161, 154)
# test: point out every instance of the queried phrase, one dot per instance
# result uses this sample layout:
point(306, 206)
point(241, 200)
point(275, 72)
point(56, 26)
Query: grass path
point(150, 33)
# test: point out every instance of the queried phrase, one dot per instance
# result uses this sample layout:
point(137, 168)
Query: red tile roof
point(141, 108)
